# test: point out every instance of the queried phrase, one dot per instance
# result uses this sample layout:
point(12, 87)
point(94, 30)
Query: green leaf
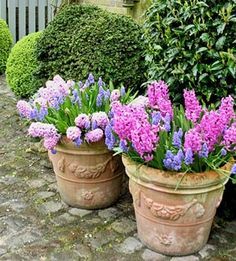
point(202, 77)
point(202, 49)
point(220, 42)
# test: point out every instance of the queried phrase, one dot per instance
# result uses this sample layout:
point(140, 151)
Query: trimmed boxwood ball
point(5, 44)
point(83, 39)
point(192, 44)
point(21, 66)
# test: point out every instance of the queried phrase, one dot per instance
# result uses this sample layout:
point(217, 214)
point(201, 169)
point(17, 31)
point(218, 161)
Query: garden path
point(36, 225)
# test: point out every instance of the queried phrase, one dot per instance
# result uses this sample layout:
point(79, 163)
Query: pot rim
point(189, 181)
point(67, 146)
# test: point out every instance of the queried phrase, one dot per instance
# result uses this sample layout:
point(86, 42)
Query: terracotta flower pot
point(88, 176)
point(174, 221)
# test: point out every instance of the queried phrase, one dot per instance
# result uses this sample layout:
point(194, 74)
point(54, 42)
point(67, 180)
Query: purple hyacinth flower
point(75, 96)
point(78, 141)
point(94, 125)
point(100, 82)
point(233, 170)
point(123, 146)
point(53, 151)
point(33, 114)
point(99, 100)
point(43, 112)
point(167, 119)
point(169, 157)
point(223, 152)
point(122, 91)
point(156, 118)
point(204, 152)
point(80, 84)
point(107, 95)
point(177, 142)
point(109, 137)
point(189, 157)
point(91, 79)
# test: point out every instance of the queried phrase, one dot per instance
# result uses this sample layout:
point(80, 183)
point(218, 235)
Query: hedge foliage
point(192, 44)
point(21, 65)
point(5, 44)
point(83, 39)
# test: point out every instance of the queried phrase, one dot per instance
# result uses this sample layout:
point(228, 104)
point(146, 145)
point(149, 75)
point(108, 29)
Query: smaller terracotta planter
point(169, 221)
point(88, 176)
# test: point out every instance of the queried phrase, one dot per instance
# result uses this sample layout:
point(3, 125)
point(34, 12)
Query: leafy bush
point(84, 39)
point(191, 44)
point(21, 66)
point(5, 44)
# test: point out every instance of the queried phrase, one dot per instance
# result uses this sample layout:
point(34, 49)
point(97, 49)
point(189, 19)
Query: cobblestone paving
point(36, 225)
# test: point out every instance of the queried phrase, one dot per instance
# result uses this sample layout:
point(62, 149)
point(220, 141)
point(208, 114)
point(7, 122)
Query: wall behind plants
point(116, 6)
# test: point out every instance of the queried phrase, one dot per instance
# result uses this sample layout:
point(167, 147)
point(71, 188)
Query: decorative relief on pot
point(88, 172)
point(61, 165)
point(88, 195)
point(165, 239)
point(199, 210)
point(167, 212)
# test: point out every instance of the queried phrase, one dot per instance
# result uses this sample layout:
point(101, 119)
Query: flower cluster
point(168, 137)
point(158, 96)
point(46, 131)
point(193, 108)
point(52, 96)
point(80, 111)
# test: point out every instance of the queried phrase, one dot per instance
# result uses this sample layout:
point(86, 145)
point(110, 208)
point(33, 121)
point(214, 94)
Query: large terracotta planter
point(174, 221)
point(88, 176)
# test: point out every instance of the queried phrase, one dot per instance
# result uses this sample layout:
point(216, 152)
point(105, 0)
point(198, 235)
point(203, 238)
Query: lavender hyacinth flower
point(100, 82)
point(99, 100)
point(75, 96)
point(91, 79)
point(204, 152)
point(177, 138)
point(156, 118)
point(168, 159)
point(78, 141)
point(177, 162)
point(233, 170)
point(173, 162)
point(109, 137)
point(122, 91)
point(167, 119)
point(80, 84)
point(107, 95)
point(188, 157)
point(42, 113)
point(123, 146)
point(223, 152)
point(33, 114)
point(94, 125)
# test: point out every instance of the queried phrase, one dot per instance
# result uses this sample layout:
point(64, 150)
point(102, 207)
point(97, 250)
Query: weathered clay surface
point(36, 225)
point(88, 176)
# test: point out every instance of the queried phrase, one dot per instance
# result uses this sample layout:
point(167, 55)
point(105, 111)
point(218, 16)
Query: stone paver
point(149, 255)
point(129, 246)
point(36, 225)
point(79, 212)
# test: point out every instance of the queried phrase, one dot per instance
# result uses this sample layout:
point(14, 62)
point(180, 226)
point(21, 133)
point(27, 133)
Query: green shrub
point(5, 44)
point(83, 39)
point(21, 66)
point(192, 44)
